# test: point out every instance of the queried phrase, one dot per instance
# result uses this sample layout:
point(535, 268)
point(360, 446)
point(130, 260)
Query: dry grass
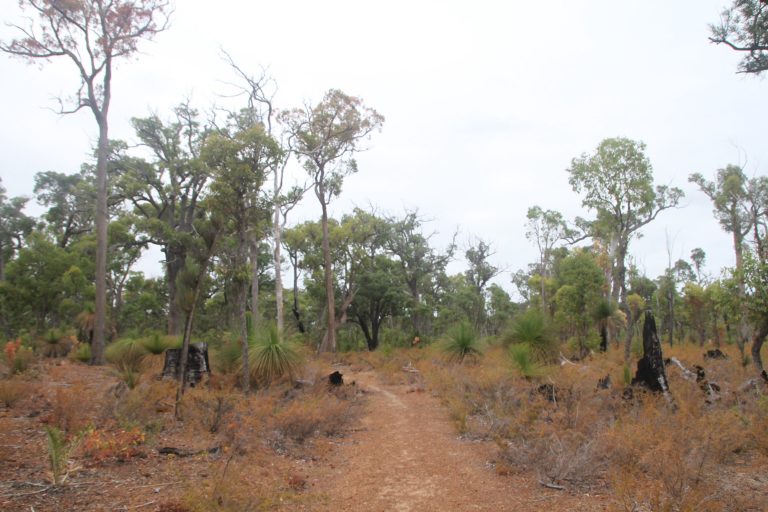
point(648, 453)
point(14, 390)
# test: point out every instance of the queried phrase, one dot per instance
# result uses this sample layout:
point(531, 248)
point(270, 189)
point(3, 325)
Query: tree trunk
point(241, 299)
point(174, 262)
point(256, 318)
point(757, 345)
point(277, 234)
point(99, 328)
point(329, 341)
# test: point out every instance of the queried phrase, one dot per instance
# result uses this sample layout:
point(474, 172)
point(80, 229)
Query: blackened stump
point(650, 368)
point(197, 363)
point(335, 379)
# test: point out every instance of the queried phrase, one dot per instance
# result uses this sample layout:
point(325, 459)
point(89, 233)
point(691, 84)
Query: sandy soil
point(406, 456)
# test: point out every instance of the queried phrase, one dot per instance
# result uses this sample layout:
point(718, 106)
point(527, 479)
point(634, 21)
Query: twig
point(140, 506)
point(552, 486)
point(40, 491)
point(155, 485)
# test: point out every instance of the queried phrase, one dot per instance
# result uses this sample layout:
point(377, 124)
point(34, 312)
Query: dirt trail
point(406, 457)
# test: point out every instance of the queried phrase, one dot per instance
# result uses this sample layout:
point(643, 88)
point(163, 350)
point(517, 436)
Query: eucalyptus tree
point(579, 293)
point(743, 27)
point(165, 191)
point(729, 196)
point(617, 183)
point(326, 137)
point(90, 35)
point(545, 228)
point(479, 273)
point(240, 157)
point(423, 267)
point(69, 199)
point(14, 226)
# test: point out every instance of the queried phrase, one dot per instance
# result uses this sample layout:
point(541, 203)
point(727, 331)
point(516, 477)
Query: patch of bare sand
point(406, 456)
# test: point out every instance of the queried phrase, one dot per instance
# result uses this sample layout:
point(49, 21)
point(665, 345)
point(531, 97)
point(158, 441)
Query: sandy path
point(406, 457)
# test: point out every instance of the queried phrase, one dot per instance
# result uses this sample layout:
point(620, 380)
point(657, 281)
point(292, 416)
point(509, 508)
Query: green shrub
point(270, 357)
point(126, 354)
point(227, 357)
point(82, 353)
point(524, 361)
point(462, 342)
point(532, 328)
point(59, 451)
point(155, 344)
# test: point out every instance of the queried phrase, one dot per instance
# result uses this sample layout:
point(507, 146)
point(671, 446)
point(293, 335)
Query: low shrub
point(271, 358)
point(126, 354)
point(461, 343)
point(13, 390)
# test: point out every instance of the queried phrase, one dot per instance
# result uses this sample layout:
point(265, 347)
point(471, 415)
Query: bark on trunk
point(174, 262)
point(241, 299)
point(329, 341)
point(101, 244)
point(757, 345)
point(255, 282)
point(278, 235)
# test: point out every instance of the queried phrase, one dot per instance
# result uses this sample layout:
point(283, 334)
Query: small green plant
point(524, 360)
point(461, 344)
point(154, 344)
point(626, 375)
point(59, 451)
point(227, 357)
point(271, 358)
point(531, 327)
point(82, 353)
point(126, 354)
point(129, 376)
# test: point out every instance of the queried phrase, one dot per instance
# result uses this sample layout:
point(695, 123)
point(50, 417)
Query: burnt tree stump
point(650, 368)
point(197, 363)
point(335, 379)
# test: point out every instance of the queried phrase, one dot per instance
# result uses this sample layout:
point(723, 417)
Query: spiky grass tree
point(462, 343)
point(532, 328)
point(272, 357)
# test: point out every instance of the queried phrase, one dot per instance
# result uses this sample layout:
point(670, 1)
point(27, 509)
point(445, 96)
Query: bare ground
point(406, 456)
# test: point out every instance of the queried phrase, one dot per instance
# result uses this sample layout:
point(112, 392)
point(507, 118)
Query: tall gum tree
point(616, 181)
point(743, 27)
point(90, 34)
point(325, 138)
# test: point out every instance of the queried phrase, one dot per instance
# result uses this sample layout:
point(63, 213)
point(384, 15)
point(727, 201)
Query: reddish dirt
point(406, 456)
point(402, 455)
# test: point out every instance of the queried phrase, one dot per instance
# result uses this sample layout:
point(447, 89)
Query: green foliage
point(744, 27)
point(59, 452)
point(532, 328)
point(271, 358)
point(461, 343)
point(154, 344)
point(525, 361)
point(626, 375)
point(126, 354)
point(227, 357)
point(82, 353)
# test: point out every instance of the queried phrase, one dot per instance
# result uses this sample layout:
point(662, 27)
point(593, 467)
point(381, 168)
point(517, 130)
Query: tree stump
point(650, 368)
point(335, 379)
point(197, 363)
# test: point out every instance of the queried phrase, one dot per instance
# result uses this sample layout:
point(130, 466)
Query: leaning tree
point(90, 34)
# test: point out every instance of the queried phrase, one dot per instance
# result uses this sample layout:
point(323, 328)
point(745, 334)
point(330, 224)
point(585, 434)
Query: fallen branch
point(552, 486)
point(181, 452)
point(140, 506)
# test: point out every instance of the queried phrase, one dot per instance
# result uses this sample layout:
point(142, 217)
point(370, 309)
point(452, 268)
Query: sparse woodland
point(546, 378)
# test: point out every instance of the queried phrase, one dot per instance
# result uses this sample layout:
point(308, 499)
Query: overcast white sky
point(486, 103)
